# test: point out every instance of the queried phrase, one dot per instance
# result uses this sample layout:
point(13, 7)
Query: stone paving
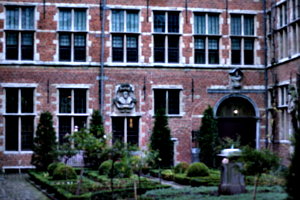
point(16, 187)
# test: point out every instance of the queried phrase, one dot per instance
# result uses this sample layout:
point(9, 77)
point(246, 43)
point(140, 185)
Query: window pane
point(236, 25)
point(199, 50)
point(133, 131)
point(80, 122)
point(249, 25)
point(27, 18)
point(159, 22)
point(200, 24)
point(12, 18)
point(173, 22)
point(64, 129)
point(11, 133)
point(159, 100)
point(213, 24)
point(65, 99)
point(236, 51)
point(132, 21)
point(27, 133)
point(27, 46)
point(248, 52)
point(173, 49)
point(118, 20)
point(118, 129)
point(132, 49)
point(117, 44)
point(11, 100)
point(159, 48)
point(27, 100)
point(12, 52)
point(173, 96)
point(80, 20)
point(213, 51)
point(79, 47)
point(64, 47)
point(65, 20)
point(80, 101)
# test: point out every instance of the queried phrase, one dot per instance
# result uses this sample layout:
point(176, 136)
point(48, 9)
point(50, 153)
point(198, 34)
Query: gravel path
point(16, 187)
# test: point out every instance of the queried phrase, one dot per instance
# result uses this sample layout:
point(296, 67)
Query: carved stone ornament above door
point(124, 98)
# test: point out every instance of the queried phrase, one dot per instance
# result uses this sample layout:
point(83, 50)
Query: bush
point(53, 166)
point(182, 179)
point(181, 168)
point(197, 169)
point(63, 172)
point(167, 175)
point(120, 169)
point(105, 167)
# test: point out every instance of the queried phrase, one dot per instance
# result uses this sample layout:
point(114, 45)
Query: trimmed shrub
point(167, 175)
point(197, 169)
point(182, 179)
point(63, 172)
point(53, 166)
point(122, 170)
point(181, 168)
point(105, 167)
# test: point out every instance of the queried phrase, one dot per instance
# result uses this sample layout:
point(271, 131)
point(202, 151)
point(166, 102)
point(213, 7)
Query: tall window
point(166, 37)
point(125, 30)
point(72, 34)
point(206, 38)
point(242, 39)
point(167, 99)
point(19, 119)
point(72, 111)
point(19, 33)
point(125, 130)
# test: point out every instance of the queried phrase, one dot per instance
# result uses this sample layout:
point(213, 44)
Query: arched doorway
point(237, 118)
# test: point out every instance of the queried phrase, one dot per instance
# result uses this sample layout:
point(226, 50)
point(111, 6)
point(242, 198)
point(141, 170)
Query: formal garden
point(120, 171)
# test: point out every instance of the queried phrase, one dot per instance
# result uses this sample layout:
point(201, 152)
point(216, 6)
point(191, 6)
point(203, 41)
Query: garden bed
point(93, 186)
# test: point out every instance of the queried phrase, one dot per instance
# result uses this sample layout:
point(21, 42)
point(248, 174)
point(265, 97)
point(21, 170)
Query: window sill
point(18, 152)
point(172, 116)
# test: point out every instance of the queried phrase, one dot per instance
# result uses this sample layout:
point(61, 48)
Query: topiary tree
point(64, 172)
point(293, 175)
point(45, 145)
point(197, 169)
point(161, 142)
point(181, 167)
point(256, 162)
point(208, 138)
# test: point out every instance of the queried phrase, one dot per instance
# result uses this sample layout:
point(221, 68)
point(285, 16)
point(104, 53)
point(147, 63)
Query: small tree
point(44, 146)
point(161, 140)
point(97, 135)
point(293, 175)
point(208, 138)
point(256, 162)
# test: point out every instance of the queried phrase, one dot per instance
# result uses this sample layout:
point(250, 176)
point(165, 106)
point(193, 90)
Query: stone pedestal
point(232, 181)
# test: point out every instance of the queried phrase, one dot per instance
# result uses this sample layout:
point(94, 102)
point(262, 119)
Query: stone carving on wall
point(236, 77)
point(125, 100)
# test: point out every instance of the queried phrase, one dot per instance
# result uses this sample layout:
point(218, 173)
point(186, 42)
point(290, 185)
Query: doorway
point(237, 120)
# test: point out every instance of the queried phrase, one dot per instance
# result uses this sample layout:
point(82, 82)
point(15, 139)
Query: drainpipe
point(101, 78)
point(266, 73)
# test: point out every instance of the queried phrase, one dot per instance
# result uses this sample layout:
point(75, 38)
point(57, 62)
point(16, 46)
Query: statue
point(236, 76)
point(125, 100)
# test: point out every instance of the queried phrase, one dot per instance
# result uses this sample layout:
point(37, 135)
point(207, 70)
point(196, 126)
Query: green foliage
point(197, 169)
point(208, 138)
point(257, 162)
point(96, 125)
point(64, 172)
point(122, 169)
point(105, 167)
point(167, 175)
point(181, 167)
point(160, 141)
point(44, 145)
point(53, 166)
point(293, 175)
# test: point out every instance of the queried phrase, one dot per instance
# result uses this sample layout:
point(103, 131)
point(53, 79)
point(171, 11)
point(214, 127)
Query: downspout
point(266, 74)
point(101, 78)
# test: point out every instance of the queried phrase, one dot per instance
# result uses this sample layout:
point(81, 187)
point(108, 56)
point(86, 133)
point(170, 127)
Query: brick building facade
point(180, 55)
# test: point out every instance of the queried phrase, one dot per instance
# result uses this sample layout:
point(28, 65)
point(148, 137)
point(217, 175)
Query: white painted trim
point(19, 85)
point(73, 86)
point(180, 87)
point(17, 152)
